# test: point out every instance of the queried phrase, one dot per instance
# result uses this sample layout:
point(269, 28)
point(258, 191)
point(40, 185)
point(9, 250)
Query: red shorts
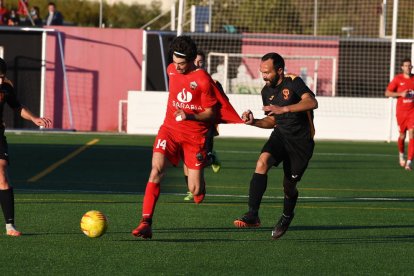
point(175, 146)
point(405, 120)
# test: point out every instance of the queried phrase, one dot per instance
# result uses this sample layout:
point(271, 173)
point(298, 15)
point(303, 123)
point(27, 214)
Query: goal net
point(341, 49)
point(346, 51)
point(248, 80)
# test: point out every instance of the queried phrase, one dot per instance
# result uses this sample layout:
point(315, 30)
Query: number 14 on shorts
point(161, 144)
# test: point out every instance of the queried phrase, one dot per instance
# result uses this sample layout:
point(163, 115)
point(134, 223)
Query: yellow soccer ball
point(94, 224)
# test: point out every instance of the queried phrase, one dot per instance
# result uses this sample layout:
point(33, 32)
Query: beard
point(273, 82)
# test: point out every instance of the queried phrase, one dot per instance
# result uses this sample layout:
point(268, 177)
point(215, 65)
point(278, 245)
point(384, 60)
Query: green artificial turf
point(354, 214)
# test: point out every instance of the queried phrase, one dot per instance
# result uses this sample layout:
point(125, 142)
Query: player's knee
point(156, 174)
point(261, 166)
point(4, 184)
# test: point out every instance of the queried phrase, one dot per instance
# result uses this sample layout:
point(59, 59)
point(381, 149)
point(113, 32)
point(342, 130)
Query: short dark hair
point(184, 47)
point(278, 61)
point(52, 4)
point(407, 59)
point(3, 67)
point(201, 53)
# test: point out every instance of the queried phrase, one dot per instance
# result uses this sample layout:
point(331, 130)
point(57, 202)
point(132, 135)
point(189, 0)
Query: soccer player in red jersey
point(402, 88)
point(194, 105)
point(213, 131)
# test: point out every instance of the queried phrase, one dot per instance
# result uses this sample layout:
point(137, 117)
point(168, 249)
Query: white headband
point(179, 54)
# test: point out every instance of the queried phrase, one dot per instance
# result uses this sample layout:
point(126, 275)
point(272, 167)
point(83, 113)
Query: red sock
point(152, 192)
point(410, 154)
point(401, 145)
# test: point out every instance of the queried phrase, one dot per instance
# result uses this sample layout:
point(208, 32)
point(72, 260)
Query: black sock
point(289, 205)
point(258, 186)
point(7, 204)
point(210, 139)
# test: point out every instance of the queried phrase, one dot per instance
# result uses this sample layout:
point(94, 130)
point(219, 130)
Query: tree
point(86, 13)
point(266, 16)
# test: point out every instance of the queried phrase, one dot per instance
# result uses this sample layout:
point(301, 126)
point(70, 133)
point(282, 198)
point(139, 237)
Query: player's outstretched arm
point(25, 113)
point(266, 122)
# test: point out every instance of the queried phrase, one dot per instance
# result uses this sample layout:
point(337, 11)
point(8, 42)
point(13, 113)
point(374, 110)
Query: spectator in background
point(402, 88)
point(14, 18)
point(4, 13)
point(36, 19)
point(54, 17)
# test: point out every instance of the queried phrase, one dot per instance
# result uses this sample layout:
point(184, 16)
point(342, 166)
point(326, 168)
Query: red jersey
point(193, 93)
point(3, 15)
point(399, 84)
point(22, 8)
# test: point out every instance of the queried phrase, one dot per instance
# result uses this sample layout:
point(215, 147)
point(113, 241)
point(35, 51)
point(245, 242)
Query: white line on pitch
point(317, 153)
point(226, 195)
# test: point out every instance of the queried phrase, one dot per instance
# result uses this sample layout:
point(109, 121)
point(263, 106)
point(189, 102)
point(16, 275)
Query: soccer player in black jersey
point(288, 105)
point(7, 95)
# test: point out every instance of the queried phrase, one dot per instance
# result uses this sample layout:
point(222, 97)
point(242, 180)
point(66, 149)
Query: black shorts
point(294, 153)
point(4, 148)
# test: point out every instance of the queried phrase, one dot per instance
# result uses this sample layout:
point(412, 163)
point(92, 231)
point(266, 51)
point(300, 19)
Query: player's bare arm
point(266, 122)
point(25, 113)
point(206, 116)
point(397, 94)
point(308, 102)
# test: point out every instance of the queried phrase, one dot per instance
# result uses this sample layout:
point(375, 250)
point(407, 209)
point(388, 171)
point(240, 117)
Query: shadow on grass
point(343, 239)
point(159, 235)
point(360, 239)
point(347, 227)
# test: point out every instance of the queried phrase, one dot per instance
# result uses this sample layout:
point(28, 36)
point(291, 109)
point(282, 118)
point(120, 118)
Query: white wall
point(336, 118)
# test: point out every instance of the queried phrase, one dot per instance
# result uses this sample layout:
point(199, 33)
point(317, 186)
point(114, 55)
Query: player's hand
point(180, 115)
point(403, 94)
point(247, 117)
point(40, 121)
point(407, 93)
point(275, 109)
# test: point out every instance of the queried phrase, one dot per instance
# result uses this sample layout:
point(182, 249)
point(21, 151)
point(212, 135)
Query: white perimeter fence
point(347, 121)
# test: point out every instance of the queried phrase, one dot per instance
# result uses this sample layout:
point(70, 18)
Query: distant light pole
point(383, 19)
point(100, 13)
point(210, 11)
point(180, 23)
point(315, 18)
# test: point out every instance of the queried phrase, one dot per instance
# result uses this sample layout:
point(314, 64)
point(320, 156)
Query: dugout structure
point(24, 49)
point(75, 75)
